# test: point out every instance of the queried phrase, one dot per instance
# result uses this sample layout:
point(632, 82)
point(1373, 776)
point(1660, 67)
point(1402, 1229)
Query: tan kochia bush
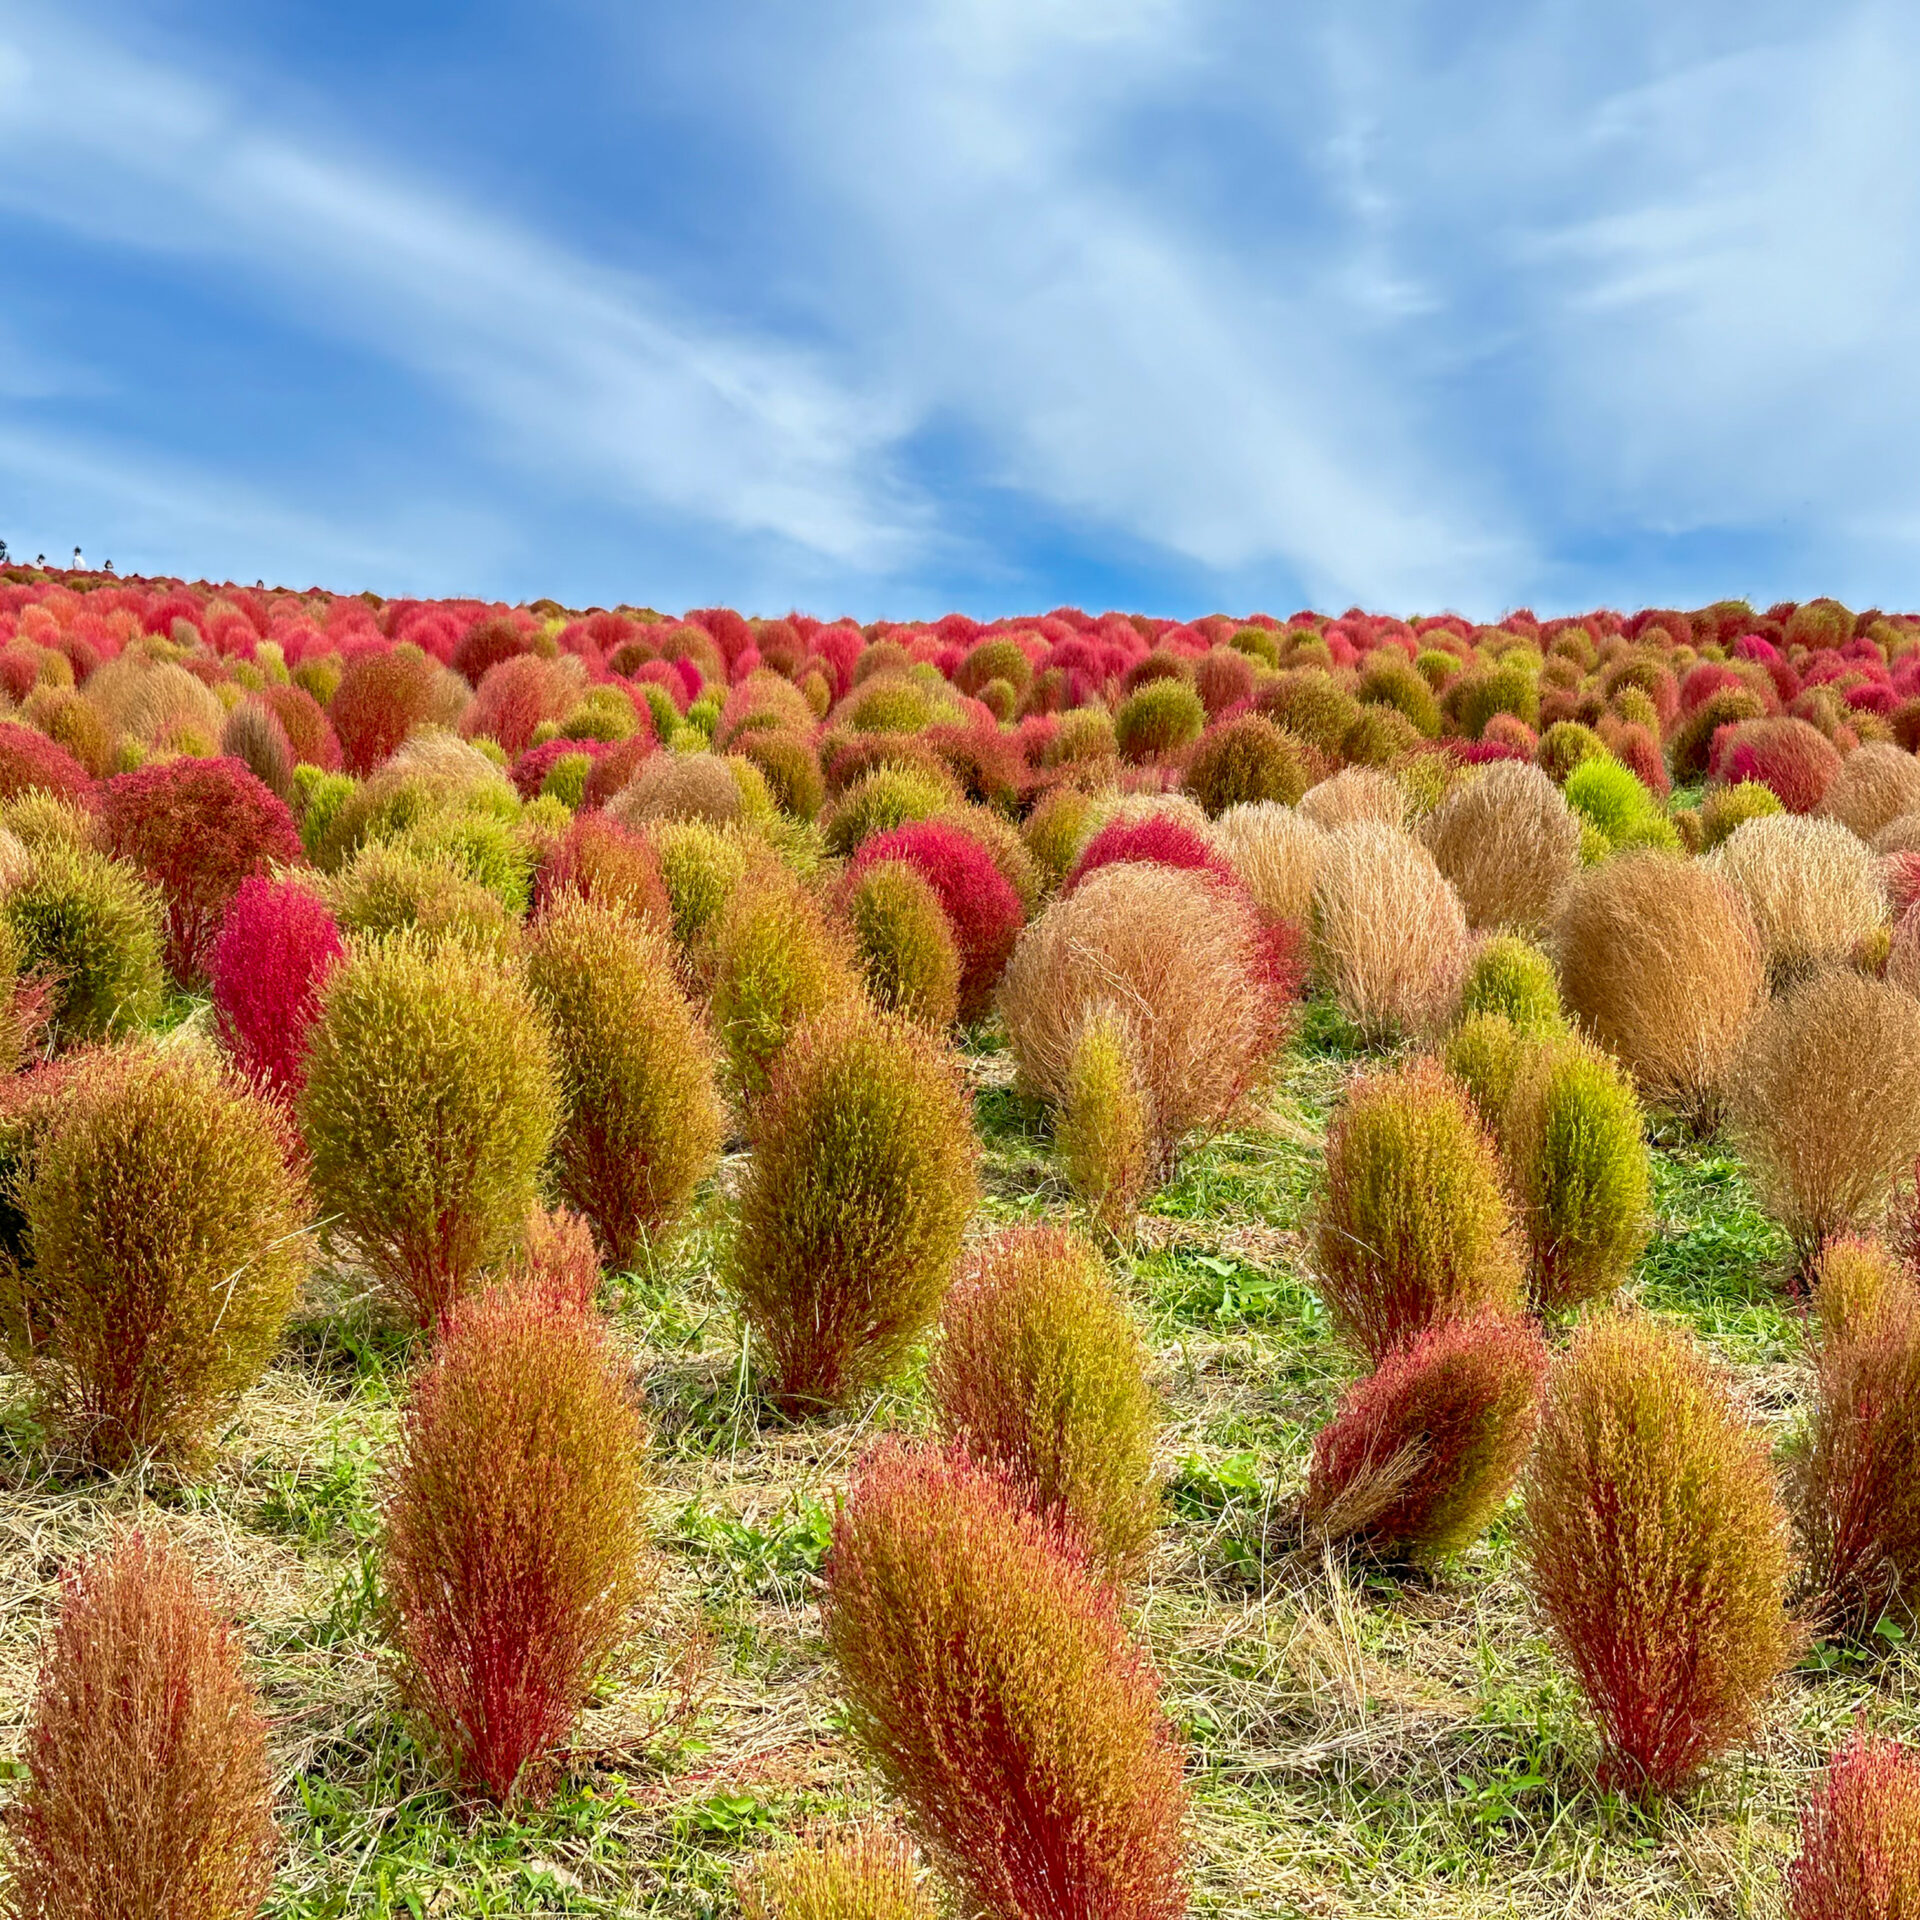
point(1042, 1377)
point(1509, 843)
point(430, 1103)
point(1354, 794)
point(1273, 849)
point(1876, 784)
point(641, 1121)
point(1655, 1546)
point(1826, 1104)
point(166, 1241)
point(1390, 939)
point(148, 1791)
point(1812, 888)
point(1178, 956)
point(691, 786)
point(1661, 964)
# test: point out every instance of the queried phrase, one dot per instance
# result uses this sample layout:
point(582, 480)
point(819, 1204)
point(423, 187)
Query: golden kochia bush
point(1661, 964)
point(994, 1687)
point(1412, 1226)
point(1272, 848)
point(1876, 784)
point(641, 1121)
point(1042, 1377)
point(1509, 843)
point(1826, 1104)
point(906, 947)
point(514, 1547)
point(1812, 887)
point(147, 1790)
point(166, 1239)
point(1182, 957)
point(852, 1873)
point(862, 1179)
point(1655, 1547)
point(430, 1103)
point(1389, 937)
point(1355, 794)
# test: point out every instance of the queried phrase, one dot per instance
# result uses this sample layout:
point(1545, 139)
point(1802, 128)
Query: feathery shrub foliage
point(1813, 889)
point(148, 1789)
point(992, 1684)
point(558, 1259)
point(1509, 844)
point(274, 952)
point(777, 965)
point(92, 927)
point(1247, 759)
point(1413, 1226)
point(1421, 1454)
point(1272, 848)
point(886, 797)
point(701, 866)
point(611, 865)
point(196, 829)
point(861, 1182)
point(905, 944)
point(1607, 797)
point(1158, 720)
point(1855, 1498)
point(1041, 1377)
point(1486, 1054)
point(1105, 1127)
point(1826, 1103)
point(1355, 794)
point(1573, 1136)
point(1725, 809)
point(1859, 1853)
point(381, 698)
point(1389, 936)
point(430, 1103)
point(1661, 964)
point(1655, 1548)
point(1511, 976)
point(514, 1546)
point(855, 1873)
point(1876, 783)
point(166, 1240)
point(389, 887)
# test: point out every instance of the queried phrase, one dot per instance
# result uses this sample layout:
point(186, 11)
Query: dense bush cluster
point(505, 956)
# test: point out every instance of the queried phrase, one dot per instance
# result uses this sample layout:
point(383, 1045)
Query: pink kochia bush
point(980, 903)
point(1860, 1837)
point(274, 952)
point(992, 1684)
point(197, 829)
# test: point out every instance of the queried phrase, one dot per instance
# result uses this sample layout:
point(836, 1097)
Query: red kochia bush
point(197, 829)
point(1860, 1837)
point(981, 905)
point(1160, 838)
point(147, 1786)
point(381, 698)
point(993, 1685)
point(274, 951)
point(1419, 1455)
point(29, 760)
point(613, 866)
point(515, 1543)
point(1792, 759)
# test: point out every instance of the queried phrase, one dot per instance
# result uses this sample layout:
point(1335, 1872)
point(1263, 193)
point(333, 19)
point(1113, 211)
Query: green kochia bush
point(92, 926)
point(1655, 1547)
point(854, 1873)
point(1041, 1377)
point(861, 1182)
point(1618, 807)
point(430, 1103)
point(1105, 1129)
point(1158, 719)
point(1413, 1224)
point(166, 1239)
point(1512, 976)
point(906, 947)
point(641, 1119)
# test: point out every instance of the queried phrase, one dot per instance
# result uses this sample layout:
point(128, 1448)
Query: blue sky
point(888, 307)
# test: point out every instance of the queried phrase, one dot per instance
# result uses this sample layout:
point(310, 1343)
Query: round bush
point(1876, 783)
point(1510, 845)
point(1609, 799)
point(1104, 1131)
point(1793, 761)
point(166, 1239)
point(905, 943)
point(1273, 850)
point(1245, 760)
point(641, 1121)
point(1513, 977)
point(616, 867)
point(1813, 889)
point(790, 767)
point(92, 927)
point(31, 763)
point(861, 1182)
point(1726, 808)
point(382, 696)
point(430, 1103)
point(1158, 720)
point(886, 798)
point(389, 888)
point(275, 950)
point(707, 787)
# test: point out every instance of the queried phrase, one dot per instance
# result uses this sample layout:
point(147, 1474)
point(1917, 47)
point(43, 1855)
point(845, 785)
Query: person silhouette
point(76, 559)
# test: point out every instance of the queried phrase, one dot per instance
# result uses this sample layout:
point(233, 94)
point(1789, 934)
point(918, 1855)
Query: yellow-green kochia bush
point(1042, 1377)
point(641, 1121)
point(1413, 1225)
point(906, 947)
point(1512, 976)
point(1105, 1129)
point(430, 1103)
point(856, 1873)
point(165, 1239)
point(861, 1182)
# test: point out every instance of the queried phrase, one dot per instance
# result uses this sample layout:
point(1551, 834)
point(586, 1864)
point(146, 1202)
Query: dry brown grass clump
point(1812, 888)
point(1390, 938)
point(1876, 784)
point(148, 1795)
point(1826, 1103)
point(1355, 794)
point(1509, 843)
point(1273, 849)
point(1661, 963)
point(1174, 952)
